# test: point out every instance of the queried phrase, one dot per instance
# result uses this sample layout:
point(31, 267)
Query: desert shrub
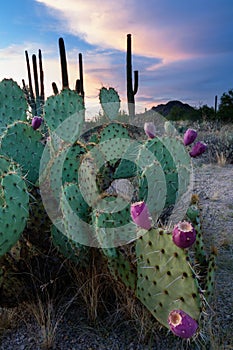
point(220, 143)
point(179, 113)
point(216, 134)
point(225, 111)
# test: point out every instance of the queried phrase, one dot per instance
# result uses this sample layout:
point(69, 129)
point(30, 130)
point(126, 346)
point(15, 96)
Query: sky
point(182, 49)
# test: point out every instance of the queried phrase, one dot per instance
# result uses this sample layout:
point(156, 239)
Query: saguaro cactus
point(79, 82)
point(64, 72)
point(79, 86)
point(35, 100)
point(131, 91)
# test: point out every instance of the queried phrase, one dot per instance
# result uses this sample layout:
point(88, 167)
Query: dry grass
point(8, 318)
point(108, 305)
point(221, 158)
point(48, 316)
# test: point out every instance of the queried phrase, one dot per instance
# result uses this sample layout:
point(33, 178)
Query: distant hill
point(165, 109)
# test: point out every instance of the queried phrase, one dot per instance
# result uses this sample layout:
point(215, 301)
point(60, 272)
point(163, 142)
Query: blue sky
point(182, 49)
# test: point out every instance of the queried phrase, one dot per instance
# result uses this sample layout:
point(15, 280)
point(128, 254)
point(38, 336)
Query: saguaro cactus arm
point(79, 82)
point(64, 72)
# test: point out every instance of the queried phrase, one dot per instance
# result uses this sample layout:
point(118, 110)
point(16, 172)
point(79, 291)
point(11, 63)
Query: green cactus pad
point(113, 131)
point(13, 105)
point(210, 276)
point(126, 169)
point(72, 250)
point(165, 280)
point(7, 165)
point(193, 214)
point(63, 166)
point(14, 210)
point(76, 214)
point(64, 113)
point(110, 102)
point(182, 161)
point(112, 221)
point(152, 185)
point(122, 269)
point(161, 153)
point(87, 177)
point(200, 254)
point(72, 162)
point(23, 145)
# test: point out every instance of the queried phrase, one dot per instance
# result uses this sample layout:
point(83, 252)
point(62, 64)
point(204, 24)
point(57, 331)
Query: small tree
point(207, 112)
point(225, 111)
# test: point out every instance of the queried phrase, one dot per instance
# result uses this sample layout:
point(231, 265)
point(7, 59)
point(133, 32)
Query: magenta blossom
point(140, 215)
point(183, 234)
point(149, 129)
point(198, 149)
point(181, 324)
point(189, 136)
point(36, 122)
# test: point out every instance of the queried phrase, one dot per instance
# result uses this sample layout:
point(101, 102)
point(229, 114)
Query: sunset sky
point(182, 49)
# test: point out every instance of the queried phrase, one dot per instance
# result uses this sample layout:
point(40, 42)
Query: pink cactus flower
point(183, 234)
point(140, 215)
point(36, 122)
point(149, 129)
point(189, 136)
point(181, 324)
point(198, 149)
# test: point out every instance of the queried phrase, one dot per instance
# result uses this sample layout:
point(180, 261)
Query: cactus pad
point(110, 102)
point(13, 104)
point(13, 211)
point(76, 214)
point(72, 250)
point(122, 269)
point(166, 280)
point(113, 131)
point(66, 106)
point(23, 145)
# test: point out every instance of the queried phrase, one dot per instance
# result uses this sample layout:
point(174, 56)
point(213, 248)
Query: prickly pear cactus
point(110, 102)
point(161, 275)
point(113, 130)
point(206, 263)
point(64, 113)
point(166, 160)
point(76, 214)
point(14, 209)
point(13, 105)
point(72, 162)
point(165, 279)
point(23, 145)
point(7, 165)
point(210, 275)
point(122, 269)
point(70, 249)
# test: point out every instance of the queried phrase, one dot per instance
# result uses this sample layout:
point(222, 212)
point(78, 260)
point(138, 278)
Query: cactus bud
point(183, 234)
point(181, 324)
point(189, 136)
point(193, 213)
point(198, 149)
point(149, 129)
point(36, 122)
point(140, 215)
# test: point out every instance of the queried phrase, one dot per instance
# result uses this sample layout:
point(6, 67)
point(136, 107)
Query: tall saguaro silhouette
point(131, 90)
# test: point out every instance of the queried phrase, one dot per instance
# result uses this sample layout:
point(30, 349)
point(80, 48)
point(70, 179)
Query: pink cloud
point(107, 24)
